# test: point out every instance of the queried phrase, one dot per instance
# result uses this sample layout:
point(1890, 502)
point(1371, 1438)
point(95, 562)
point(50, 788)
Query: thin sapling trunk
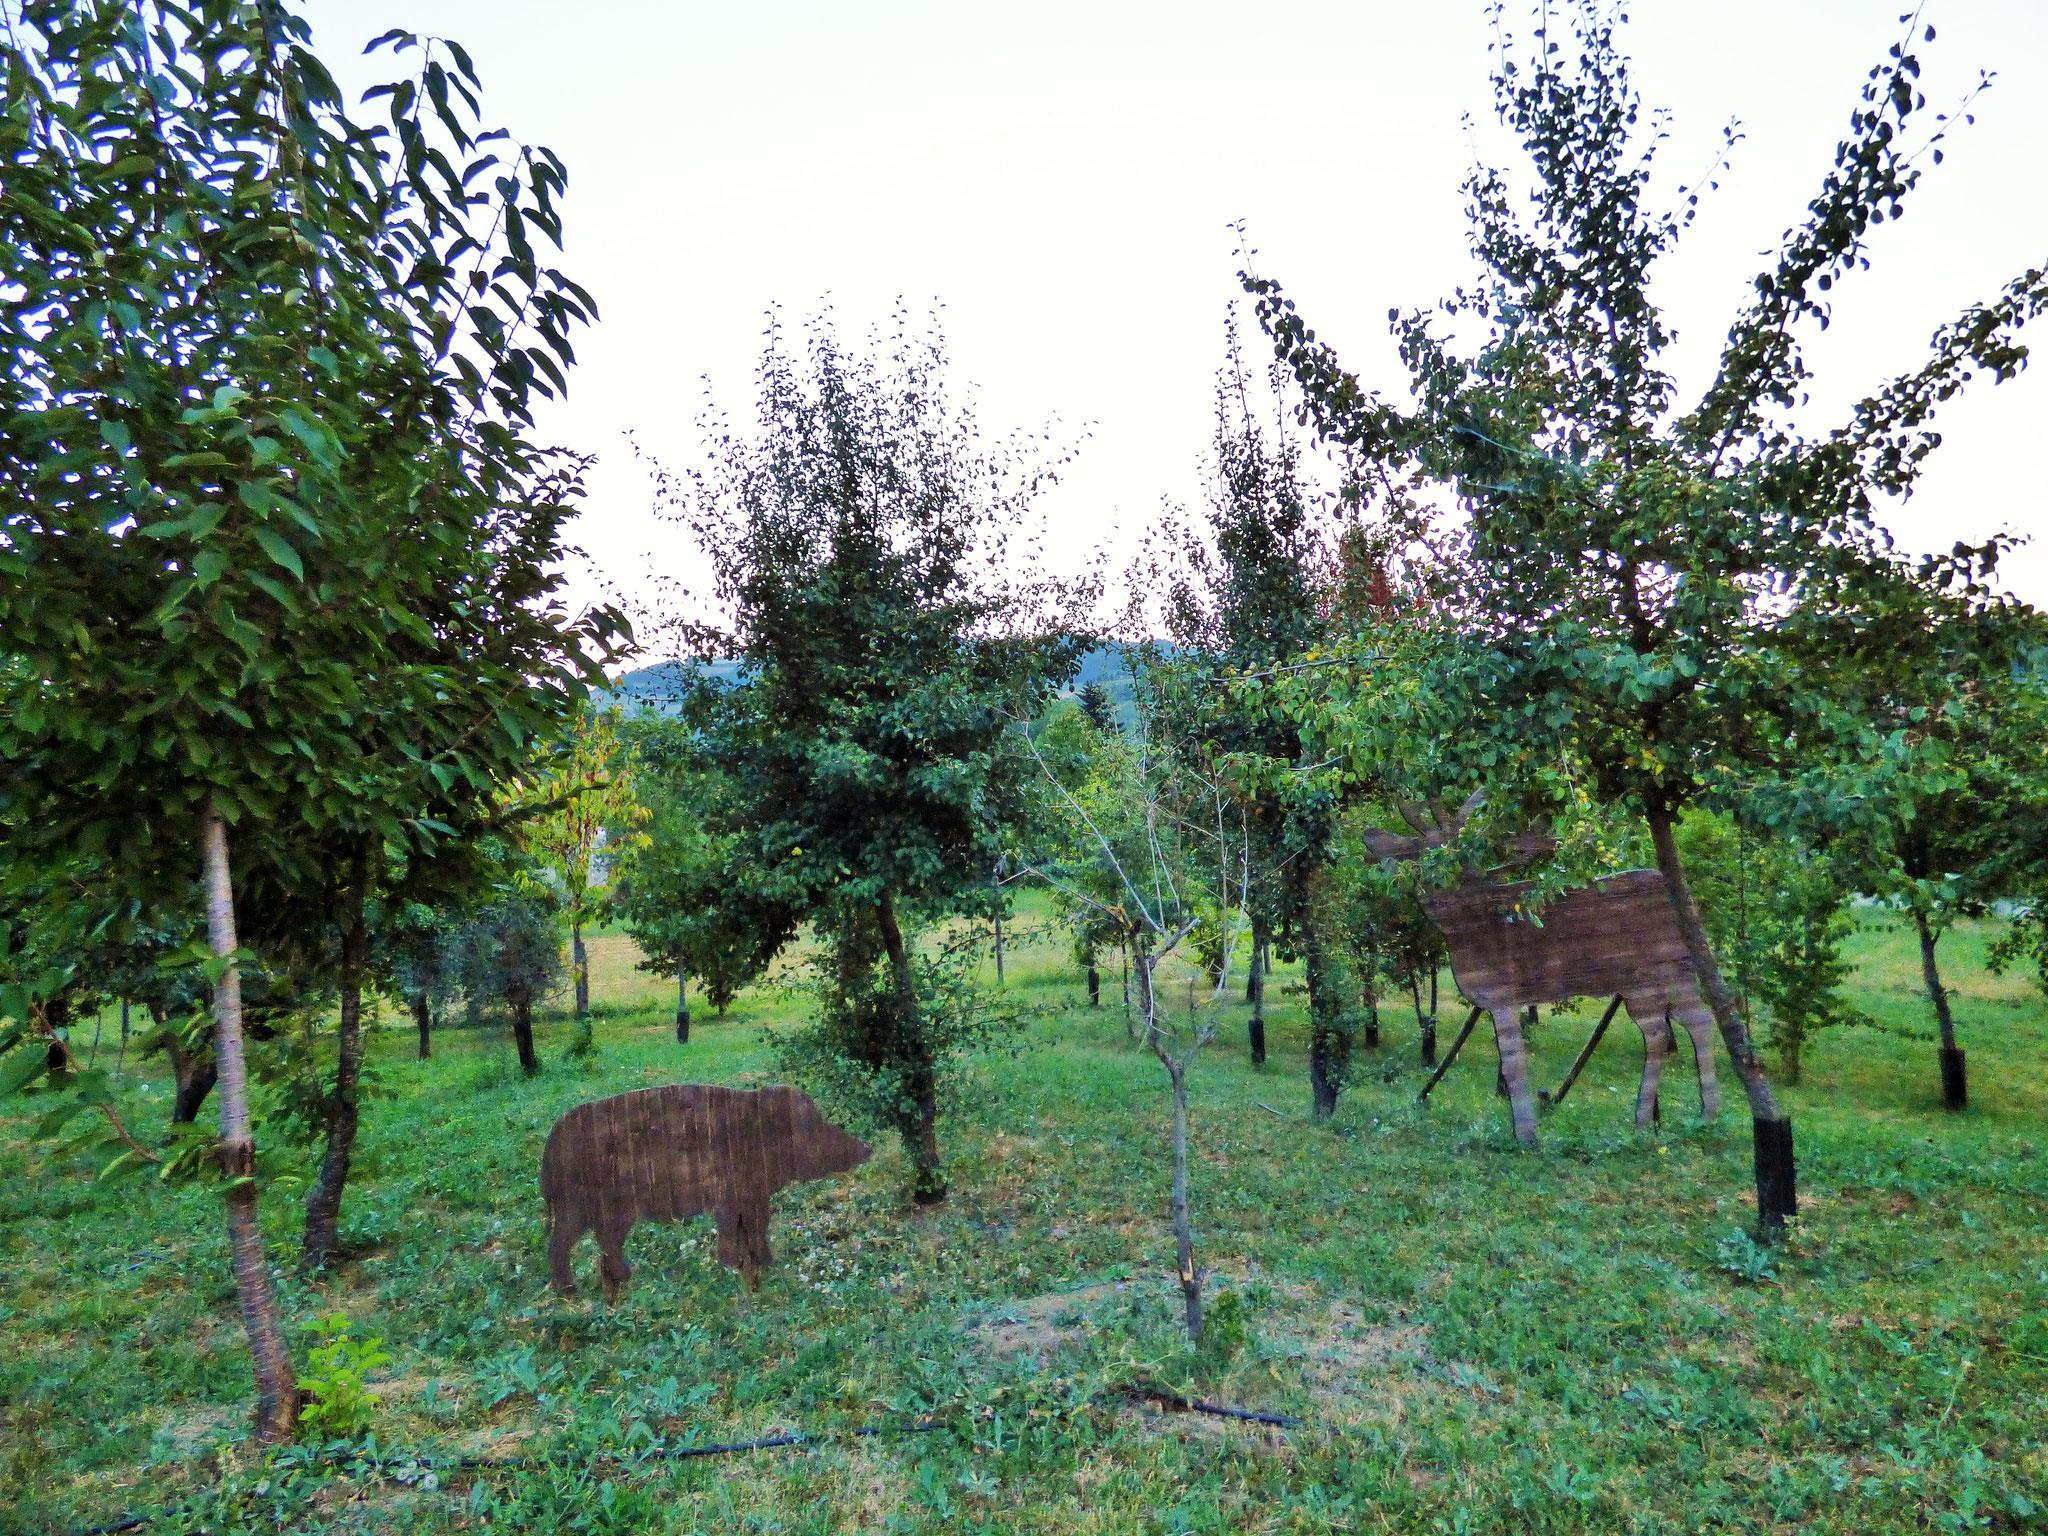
point(277, 1393)
point(1776, 1176)
point(682, 1008)
point(1955, 1092)
point(920, 1086)
point(520, 997)
point(323, 1207)
point(1255, 994)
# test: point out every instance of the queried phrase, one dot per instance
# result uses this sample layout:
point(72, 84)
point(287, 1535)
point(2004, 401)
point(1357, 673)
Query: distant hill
point(660, 687)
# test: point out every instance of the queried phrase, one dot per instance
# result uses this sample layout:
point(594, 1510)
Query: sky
point(1058, 183)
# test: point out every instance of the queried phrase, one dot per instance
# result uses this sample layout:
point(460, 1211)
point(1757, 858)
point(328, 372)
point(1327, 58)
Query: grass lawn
point(1475, 1338)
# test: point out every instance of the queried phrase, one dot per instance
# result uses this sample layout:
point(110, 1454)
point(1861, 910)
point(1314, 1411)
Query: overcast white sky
point(1058, 178)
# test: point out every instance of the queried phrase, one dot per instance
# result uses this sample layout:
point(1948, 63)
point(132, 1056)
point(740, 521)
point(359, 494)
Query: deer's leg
point(1514, 1066)
point(1656, 1030)
point(1699, 1025)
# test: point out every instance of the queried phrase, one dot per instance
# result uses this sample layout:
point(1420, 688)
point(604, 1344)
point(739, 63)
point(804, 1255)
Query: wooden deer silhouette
point(1617, 937)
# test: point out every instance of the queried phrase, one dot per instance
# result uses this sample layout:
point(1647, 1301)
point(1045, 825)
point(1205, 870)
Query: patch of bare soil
point(1332, 1346)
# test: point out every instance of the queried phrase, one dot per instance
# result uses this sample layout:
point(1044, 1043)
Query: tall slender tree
point(262, 436)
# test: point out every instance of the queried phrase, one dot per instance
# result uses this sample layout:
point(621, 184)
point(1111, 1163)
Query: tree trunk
point(1791, 1037)
point(999, 949)
point(1183, 1225)
point(1130, 1030)
point(1142, 970)
point(522, 1029)
point(579, 962)
point(423, 1016)
point(121, 1061)
point(1776, 1175)
point(194, 1078)
point(1371, 994)
point(1955, 1092)
point(1255, 994)
point(920, 1086)
point(1094, 984)
point(682, 1008)
point(277, 1393)
point(1329, 1045)
point(323, 1207)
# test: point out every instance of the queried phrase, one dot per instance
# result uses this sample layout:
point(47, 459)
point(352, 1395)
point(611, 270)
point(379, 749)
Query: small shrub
point(342, 1404)
point(1744, 1257)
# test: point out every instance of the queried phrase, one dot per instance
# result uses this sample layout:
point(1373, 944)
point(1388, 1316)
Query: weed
point(341, 1405)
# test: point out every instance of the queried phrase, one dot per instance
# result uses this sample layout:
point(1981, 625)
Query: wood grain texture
point(667, 1154)
point(1616, 937)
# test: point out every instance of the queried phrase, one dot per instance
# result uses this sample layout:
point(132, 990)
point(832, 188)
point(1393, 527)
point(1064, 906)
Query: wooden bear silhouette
point(667, 1154)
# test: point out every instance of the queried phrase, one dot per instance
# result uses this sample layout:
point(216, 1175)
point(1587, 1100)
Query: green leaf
point(23, 1066)
point(275, 546)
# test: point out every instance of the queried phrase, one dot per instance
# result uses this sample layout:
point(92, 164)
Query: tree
point(1247, 599)
point(1943, 809)
point(579, 819)
point(1668, 596)
point(849, 537)
point(1779, 909)
point(689, 901)
point(510, 951)
point(1164, 834)
point(262, 438)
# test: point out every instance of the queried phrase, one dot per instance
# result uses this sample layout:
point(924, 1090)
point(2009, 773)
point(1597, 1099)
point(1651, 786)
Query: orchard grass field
point(1474, 1338)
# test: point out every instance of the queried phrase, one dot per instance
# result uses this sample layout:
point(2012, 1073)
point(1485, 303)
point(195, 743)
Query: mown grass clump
point(1476, 1338)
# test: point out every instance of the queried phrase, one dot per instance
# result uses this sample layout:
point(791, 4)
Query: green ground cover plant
point(1474, 1337)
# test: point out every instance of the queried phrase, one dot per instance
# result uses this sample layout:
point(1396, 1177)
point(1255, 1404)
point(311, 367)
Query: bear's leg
point(611, 1246)
point(564, 1232)
point(732, 1243)
point(754, 1239)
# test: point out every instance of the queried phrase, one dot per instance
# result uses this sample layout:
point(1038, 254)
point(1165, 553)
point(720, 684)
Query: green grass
point(1478, 1338)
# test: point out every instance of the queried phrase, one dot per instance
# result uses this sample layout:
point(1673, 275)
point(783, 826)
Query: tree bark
point(1094, 984)
point(999, 949)
point(423, 1016)
point(522, 1030)
point(277, 1393)
point(1955, 1091)
point(1255, 994)
point(682, 1007)
point(1183, 1223)
point(1142, 970)
point(928, 1174)
point(194, 1078)
point(1776, 1176)
point(121, 1061)
point(579, 961)
point(1130, 1029)
point(1329, 1047)
point(323, 1207)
